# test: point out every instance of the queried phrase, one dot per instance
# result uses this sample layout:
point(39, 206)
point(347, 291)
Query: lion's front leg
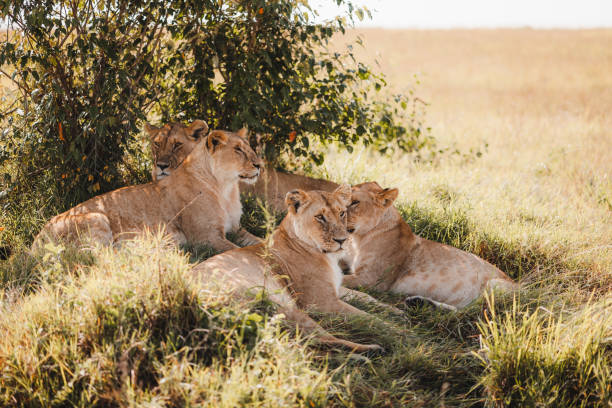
point(356, 280)
point(349, 294)
point(363, 277)
point(308, 326)
point(245, 238)
point(222, 244)
point(339, 307)
point(176, 235)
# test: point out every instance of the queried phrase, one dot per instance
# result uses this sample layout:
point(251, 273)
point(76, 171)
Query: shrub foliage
point(265, 65)
point(87, 73)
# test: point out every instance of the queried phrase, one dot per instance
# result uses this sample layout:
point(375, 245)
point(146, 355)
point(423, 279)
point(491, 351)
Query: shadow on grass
point(451, 226)
point(421, 366)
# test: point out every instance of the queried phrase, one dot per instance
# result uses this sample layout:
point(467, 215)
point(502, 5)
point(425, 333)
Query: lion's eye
point(354, 203)
point(238, 150)
point(156, 145)
point(342, 214)
point(320, 218)
point(177, 146)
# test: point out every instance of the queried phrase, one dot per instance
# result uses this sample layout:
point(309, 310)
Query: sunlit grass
point(548, 359)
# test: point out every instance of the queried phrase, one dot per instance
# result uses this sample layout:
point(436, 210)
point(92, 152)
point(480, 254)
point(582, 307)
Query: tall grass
point(26, 271)
point(547, 359)
point(535, 203)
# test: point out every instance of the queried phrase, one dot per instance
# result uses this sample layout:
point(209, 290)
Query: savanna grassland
point(522, 120)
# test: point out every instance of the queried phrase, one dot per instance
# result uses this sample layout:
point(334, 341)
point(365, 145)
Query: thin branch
point(23, 86)
point(10, 109)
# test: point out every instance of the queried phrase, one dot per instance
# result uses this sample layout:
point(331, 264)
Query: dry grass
point(134, 330)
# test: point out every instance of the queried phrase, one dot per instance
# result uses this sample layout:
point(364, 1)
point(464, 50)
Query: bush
point(265, 65)
point(88, 73)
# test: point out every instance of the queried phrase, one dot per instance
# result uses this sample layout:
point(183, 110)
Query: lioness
point(389, 256)
point(298, 266)
point(199, 202)
point(171, 143)
point(273, 186)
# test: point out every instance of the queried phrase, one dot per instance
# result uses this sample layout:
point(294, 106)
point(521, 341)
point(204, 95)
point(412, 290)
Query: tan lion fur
point(199, 202)
point(273, 185)
point(172, 142)
point(297, 267)
point(388, 256)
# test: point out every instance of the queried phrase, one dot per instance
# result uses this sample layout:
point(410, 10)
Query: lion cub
point(389, 256)
point(171, 143)
point(199, 202)
point(298, 266)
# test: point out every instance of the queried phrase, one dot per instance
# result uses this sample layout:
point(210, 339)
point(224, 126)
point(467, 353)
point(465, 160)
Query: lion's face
point(231, 152)
point(172, 143)
point(319, 218)
point(368, 204)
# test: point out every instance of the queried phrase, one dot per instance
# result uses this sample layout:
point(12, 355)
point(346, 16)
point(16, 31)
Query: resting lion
point(199, 202)
point(390, 257)
point(273, 185)
point(171, 143)
point(298, 266)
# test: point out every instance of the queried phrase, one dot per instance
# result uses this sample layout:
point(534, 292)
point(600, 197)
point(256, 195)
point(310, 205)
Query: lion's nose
point(162, 167)
point(257, 165)
point(340, 241)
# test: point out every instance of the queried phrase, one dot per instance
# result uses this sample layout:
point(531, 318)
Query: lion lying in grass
point(390, 257)
point(199, 202)
point(171, 143)
point(298, 267)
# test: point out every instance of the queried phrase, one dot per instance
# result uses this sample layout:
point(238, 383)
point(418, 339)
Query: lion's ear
point(258, 143)
point(216, 139)
point(255, 141)
point(243, 133)
point(150, 129)
point(344, 193)
point(387, 196)
point(197, 129)
point(295, 199)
